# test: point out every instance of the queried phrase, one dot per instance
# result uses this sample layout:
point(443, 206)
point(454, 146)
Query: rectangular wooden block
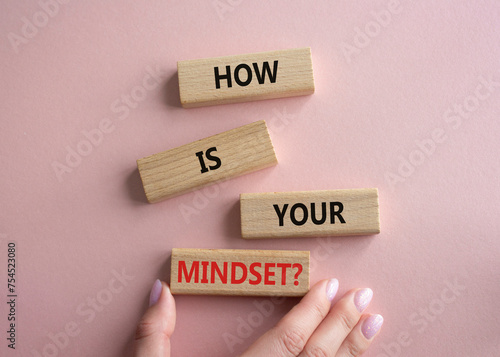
point(245, 78)
point(309, 213)
point(207, 161)
point(239, 272)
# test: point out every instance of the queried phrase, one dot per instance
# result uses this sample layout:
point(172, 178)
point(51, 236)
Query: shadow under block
point(245, 78)
point(310, 213)
point(207, 161)
point(239, 272)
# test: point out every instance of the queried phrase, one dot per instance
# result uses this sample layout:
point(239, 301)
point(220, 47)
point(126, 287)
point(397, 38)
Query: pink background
point(362, 128)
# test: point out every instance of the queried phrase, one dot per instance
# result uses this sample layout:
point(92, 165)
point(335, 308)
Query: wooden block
point(309, 213)
point(239, 272)
point(207, 161)
point(245, 78)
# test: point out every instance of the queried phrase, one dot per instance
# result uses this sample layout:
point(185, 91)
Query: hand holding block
point(309, 213)
point(239, 272)
point(245, 78)
point(207, 161)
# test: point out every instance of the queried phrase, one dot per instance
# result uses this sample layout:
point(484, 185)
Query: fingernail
point(362, 298)
point(155, 294)
point(371, 326)
point(331, 289)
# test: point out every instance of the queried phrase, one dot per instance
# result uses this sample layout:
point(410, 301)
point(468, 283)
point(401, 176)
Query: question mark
point(299, 270)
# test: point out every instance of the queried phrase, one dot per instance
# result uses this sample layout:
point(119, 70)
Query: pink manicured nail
point(331, 289)
point(371, 326)
point(362, 298)
point(155, 292)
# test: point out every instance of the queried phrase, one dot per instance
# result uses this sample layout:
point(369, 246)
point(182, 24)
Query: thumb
point(152, 338)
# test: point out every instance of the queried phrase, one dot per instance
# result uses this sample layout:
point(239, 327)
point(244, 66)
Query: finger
point(152, 338)
point(290, 335)
point(361, 336)
point(341, 319)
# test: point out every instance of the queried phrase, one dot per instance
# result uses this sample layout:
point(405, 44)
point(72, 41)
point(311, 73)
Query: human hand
point(312, 328)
